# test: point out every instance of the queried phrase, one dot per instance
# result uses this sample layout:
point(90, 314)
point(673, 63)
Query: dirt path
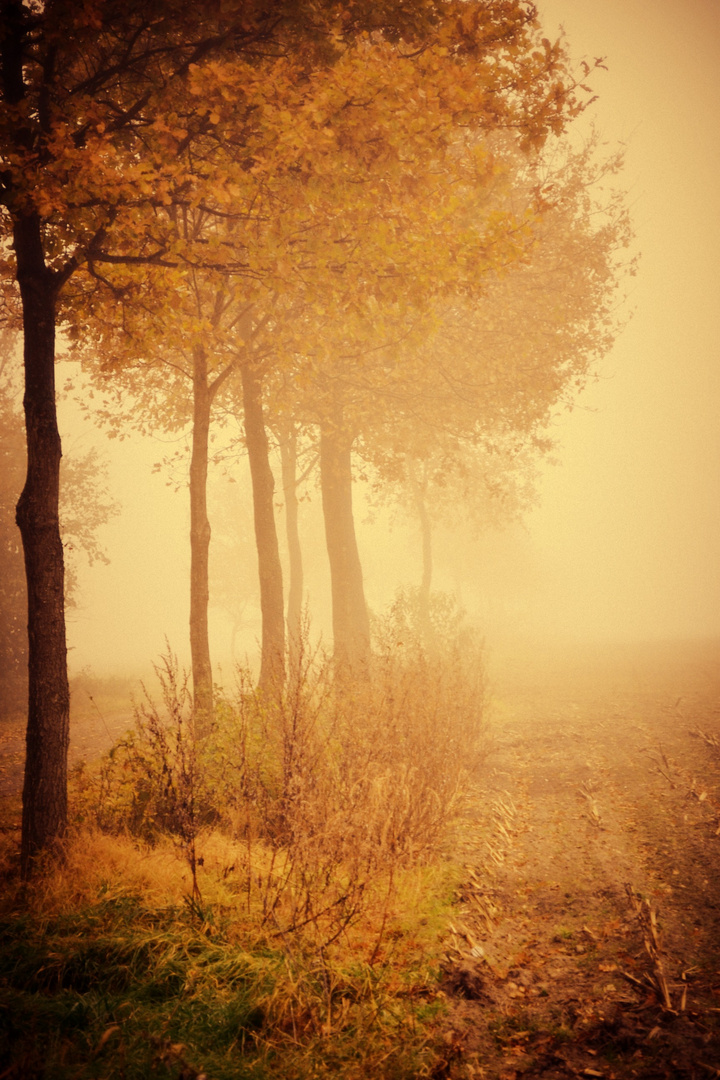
point(588, 942)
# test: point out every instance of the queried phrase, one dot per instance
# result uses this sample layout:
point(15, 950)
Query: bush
point(328, 790)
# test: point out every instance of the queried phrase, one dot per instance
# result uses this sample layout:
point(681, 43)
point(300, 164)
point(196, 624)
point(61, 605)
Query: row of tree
point(343, 219)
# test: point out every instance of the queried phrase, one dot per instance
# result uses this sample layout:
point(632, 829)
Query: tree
point(101, 113)
point(80, 88)
point(90, 141)
point(13, 596)
point(288, 438)
point(479, 385)
point(486, 486)
point(328, 147)
point(272, 663)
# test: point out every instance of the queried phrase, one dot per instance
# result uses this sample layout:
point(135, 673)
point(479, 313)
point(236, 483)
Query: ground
point(586, 941)
point(588, 938)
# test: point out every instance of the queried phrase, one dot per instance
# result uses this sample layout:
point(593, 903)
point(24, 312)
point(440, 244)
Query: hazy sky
point(629, 527)
point(625, 543)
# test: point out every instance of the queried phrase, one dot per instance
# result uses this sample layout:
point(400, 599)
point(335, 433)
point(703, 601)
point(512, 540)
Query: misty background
point(623, 543)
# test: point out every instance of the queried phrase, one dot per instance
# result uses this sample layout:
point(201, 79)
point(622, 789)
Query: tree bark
point(288, 457)
point(44, 817)
point(272, 661)
point(200, 544)
point(351, 624)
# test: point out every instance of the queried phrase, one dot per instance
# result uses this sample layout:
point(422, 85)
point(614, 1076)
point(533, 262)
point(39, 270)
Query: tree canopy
point(192, 176)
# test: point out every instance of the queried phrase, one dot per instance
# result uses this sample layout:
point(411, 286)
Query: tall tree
point(102, 106)
point(351, 623)
point(332, 210)
point(84, 507)
point(288, 438)
point(272, 658)
point(159, 353)
point(478, 377)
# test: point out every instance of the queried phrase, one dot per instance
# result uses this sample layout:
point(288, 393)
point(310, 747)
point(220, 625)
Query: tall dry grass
point(326, 791)
point(265, 899)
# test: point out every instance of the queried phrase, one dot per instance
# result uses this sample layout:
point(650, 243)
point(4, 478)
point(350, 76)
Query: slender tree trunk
point(200, 544)
point(418, 489)
point(44, 818)
point(351, 625)
point(288, 456)
point(272, 662)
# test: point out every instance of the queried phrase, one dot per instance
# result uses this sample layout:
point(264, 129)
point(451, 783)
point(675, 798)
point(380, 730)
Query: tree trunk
point(200, 544)
point(272, 661)
point(44, 818)
point(288, 456)
point(351, 625)
point(418, 489)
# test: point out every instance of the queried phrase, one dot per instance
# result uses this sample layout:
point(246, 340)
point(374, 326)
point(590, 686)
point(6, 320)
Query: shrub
point(328, 789)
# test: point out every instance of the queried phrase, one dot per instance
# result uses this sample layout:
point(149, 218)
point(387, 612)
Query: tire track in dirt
point(609, 792)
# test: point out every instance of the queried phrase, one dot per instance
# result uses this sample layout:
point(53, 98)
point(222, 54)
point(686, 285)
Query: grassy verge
point(110, 969)
point(264, 898)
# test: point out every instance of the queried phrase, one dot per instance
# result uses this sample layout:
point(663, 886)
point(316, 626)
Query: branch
point(156, 259)
point(215, 386)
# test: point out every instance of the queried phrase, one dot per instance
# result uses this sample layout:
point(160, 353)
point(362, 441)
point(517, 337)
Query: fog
point(623, 544)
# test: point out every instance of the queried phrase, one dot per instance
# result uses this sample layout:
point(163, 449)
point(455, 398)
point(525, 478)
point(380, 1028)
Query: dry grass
point(267, 898)
point(323, 796)
point(109, 969)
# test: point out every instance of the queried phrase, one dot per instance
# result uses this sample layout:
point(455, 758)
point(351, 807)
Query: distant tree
point(297, 463)
point(471, 388)
point(486, 488)
point(13, 590)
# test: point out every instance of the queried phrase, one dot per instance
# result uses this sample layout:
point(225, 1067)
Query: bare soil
point(588, 934)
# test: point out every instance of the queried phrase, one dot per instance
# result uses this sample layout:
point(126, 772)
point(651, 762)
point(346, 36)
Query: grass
point(268, 900)
point(108, 970)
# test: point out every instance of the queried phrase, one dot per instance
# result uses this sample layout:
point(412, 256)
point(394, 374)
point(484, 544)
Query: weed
point(323, 792)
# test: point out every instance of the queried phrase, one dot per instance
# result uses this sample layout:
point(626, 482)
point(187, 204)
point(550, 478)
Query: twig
point(647, 917)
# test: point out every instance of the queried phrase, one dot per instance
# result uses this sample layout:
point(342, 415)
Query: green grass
point(266, 899)
point(116, 986)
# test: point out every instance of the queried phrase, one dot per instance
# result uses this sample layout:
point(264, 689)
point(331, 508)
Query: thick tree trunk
point(418, 489)
point(351, 625)
point(44, 818)
point(200, 544)
point(288, 456)
point(272, 662)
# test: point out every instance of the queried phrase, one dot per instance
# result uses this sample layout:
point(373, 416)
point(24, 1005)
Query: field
point(594, 930)
point(565, 924)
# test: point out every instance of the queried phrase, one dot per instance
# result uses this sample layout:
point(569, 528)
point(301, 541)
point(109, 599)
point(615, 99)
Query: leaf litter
point(587, 934)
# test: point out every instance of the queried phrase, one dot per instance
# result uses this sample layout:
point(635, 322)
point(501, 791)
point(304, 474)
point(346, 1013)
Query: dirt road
point(588, 940)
